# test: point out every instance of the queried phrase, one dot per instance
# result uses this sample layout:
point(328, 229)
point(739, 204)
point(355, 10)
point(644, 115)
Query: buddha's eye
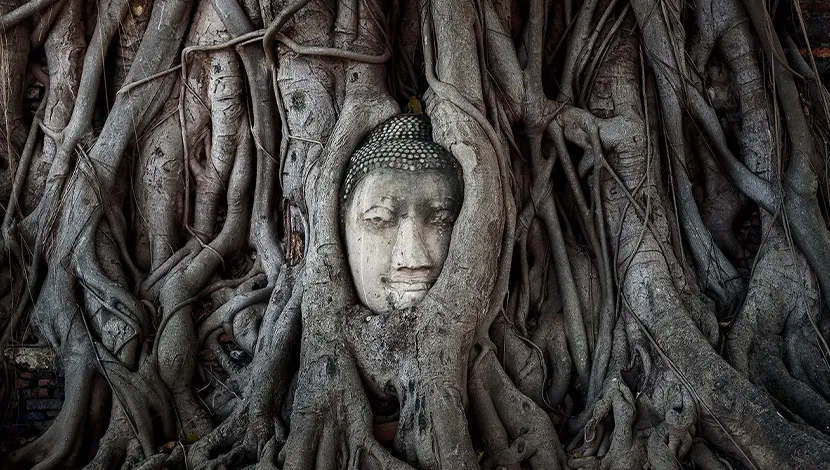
point(379, 217)
point(442, 217)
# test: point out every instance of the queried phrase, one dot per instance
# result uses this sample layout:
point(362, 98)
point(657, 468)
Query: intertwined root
point(331, 424)
point(285, 113)
point(514, 429)
point(622, 431)
point(606, 442)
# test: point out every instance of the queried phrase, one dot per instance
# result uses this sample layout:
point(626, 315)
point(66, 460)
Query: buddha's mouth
point(410, 285)
point(406, 294)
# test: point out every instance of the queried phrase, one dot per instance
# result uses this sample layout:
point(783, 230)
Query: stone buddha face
point(398, 227)
point(398, 216)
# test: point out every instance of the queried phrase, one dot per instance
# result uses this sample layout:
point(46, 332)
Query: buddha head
point(400, 199)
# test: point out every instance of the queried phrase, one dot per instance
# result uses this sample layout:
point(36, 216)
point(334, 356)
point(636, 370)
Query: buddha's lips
point(409, 285)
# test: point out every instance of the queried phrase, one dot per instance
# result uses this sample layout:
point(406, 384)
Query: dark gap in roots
point(718, 78)
point(35, 90)
point(385, 416)
point(237, 266)
point(237, 355)
point(748, 228)
point(202, 308)
point(553, 58)
point(221, 212)
point(212, 381)
point(97, 427)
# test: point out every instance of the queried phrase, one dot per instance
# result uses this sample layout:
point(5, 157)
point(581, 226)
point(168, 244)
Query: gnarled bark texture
point(638, 277)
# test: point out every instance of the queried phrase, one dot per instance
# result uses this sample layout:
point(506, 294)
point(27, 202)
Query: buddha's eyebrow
point(378, 206)
point(387, 202)
point(442, 204)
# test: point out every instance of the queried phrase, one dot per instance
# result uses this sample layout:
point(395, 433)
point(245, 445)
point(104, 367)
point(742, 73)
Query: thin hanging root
point(449, 93)
point(8, 243)
point(576, 49)
point(618, 401)
point(550, 337)
point(114, 445)
point(222, 438)
point(265, 96)
point(808, 225)
point(175, 459)
point(271, 36)
point(492, 431)
point(139, 395)
point(705, 459)
point(155, 279)
point(344, 417)
point(519, 317)
point(591, 74)
point(21, 13)
point(768, 370)
point(22, 169)
point(521, 430)
point(524, 360)
point(70, 136)
point(577, 340)
point(114, 297)
point(117, 225)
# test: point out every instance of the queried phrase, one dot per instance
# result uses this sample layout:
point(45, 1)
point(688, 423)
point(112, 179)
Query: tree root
point(223, 317)
point(624, 450)
point(620, 333)
point(254, 425)
point(333, 410)
point(514, 429)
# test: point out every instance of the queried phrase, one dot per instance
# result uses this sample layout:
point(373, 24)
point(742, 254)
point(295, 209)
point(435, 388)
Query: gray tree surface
point(639, 274)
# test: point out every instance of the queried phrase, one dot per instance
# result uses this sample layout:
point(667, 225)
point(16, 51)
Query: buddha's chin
point(405, 298)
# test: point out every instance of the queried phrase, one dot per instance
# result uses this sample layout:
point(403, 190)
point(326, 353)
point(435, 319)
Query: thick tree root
point(253, 431)
point(514, 429)
point(331, 423)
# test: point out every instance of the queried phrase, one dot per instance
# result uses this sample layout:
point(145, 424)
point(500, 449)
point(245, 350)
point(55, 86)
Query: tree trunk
point(638, 273)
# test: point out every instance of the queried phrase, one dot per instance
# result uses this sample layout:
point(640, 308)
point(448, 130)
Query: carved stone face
point(398, 225)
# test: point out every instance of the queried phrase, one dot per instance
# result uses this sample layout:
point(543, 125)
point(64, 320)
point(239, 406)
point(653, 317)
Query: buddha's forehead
point(406, 187)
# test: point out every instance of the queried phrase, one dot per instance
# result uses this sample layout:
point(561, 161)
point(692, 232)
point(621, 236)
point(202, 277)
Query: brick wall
point(817, 23)
point(35, 398)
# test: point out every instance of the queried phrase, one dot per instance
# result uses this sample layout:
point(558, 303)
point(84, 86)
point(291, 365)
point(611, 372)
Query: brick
point(47, 383)
point(44, 404)
point(52, 413)
point(42, 393)
point(22, 383)
point(25, 374)
point(32, 416)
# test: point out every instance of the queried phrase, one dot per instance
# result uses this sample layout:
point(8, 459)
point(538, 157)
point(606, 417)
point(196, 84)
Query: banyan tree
point(432, 234)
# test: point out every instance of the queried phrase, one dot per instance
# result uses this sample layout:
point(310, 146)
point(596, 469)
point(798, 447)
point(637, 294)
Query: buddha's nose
point(411, 251)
